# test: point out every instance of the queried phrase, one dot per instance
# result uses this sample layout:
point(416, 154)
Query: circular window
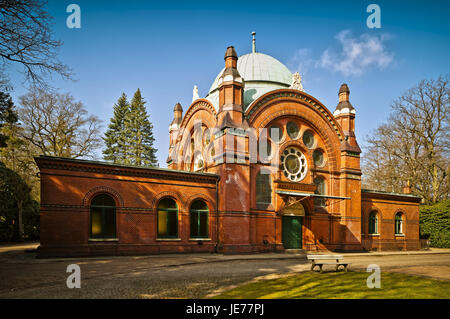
point(293, 164)
point(293, 130)
point(276, 133)
point(318, 157)
point(308, 139)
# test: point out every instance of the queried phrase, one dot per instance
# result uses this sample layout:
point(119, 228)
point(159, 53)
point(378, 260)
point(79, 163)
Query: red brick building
point(257, 165)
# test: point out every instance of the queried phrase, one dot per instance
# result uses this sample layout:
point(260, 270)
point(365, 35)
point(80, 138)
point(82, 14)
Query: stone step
point(295, 251)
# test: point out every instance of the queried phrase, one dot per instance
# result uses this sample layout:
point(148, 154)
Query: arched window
point(198, 162)
point(320, 190)
point(199, 219)
point(264, 146)
point(192, 145)
point(206, 137)
point(373, 222)
point(103, 217)
point(318, 158)
point(398, 223)
point(263, 189)
point(167, 218)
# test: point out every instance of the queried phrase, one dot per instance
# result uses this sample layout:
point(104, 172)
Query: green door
point(292, 232)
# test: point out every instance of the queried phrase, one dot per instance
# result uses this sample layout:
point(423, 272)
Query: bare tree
point(413, 145)
point(26, 39)
point(58, 125)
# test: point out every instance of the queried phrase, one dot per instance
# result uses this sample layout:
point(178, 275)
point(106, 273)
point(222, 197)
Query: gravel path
point(174, 276)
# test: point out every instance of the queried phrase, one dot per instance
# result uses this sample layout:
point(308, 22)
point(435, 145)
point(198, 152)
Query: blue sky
point(166, 47)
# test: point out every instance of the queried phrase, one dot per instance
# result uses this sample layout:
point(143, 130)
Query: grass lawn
point(351, 285)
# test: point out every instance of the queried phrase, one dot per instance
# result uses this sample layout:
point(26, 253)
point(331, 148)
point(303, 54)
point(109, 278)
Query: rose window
point(293, 164)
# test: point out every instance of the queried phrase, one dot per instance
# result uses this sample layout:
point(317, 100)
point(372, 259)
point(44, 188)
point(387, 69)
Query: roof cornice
point(390, 196)
point(68, 164)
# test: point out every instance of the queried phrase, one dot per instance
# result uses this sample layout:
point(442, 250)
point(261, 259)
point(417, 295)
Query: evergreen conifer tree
point(139, 135)
point(8, 115)
point(115, 138)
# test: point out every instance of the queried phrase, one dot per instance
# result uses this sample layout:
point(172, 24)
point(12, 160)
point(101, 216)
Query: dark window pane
point(373, 223)
point(320, 190)
point(194, 224)
point(203, 224)
point(109, 223)
point(263, 188)
point(172, 224)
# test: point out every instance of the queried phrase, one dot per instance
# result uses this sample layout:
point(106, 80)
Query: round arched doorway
point(291, 224)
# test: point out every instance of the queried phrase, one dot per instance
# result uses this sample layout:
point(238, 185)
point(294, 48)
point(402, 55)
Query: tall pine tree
point(139, 135)
point(115, 137)
point(8, 115)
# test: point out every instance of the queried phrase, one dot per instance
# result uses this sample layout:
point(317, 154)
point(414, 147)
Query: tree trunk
point(20, 211)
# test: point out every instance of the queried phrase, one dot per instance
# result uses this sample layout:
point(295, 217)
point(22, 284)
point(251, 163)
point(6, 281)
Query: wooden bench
point(320, 260)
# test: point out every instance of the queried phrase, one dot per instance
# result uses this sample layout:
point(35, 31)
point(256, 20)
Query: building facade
point(258, 165)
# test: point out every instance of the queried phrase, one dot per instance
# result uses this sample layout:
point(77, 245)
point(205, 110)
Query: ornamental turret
point(345, 116)
point(173, 131)
point(231, 93)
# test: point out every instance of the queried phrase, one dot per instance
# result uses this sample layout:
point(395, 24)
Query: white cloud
point(301, 61)
point(357, 54)
point(353, 56)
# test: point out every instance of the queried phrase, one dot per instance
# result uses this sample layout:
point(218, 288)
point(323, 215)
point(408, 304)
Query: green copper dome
point(261, 73)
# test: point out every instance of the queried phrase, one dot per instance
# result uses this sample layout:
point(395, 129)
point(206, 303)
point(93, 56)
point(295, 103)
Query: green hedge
point(435, 224)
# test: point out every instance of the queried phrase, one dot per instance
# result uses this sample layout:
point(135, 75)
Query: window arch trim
point(87, 199)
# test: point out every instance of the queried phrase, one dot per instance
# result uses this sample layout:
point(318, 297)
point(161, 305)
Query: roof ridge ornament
point(253, 42)
point(297, 82)
point(195, 93)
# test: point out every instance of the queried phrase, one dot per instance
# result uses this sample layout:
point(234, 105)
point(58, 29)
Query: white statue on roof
point(195, 93)
point(296, 82)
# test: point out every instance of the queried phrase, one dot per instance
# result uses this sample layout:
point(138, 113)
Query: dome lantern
point(260, 72)
point(253, 42)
